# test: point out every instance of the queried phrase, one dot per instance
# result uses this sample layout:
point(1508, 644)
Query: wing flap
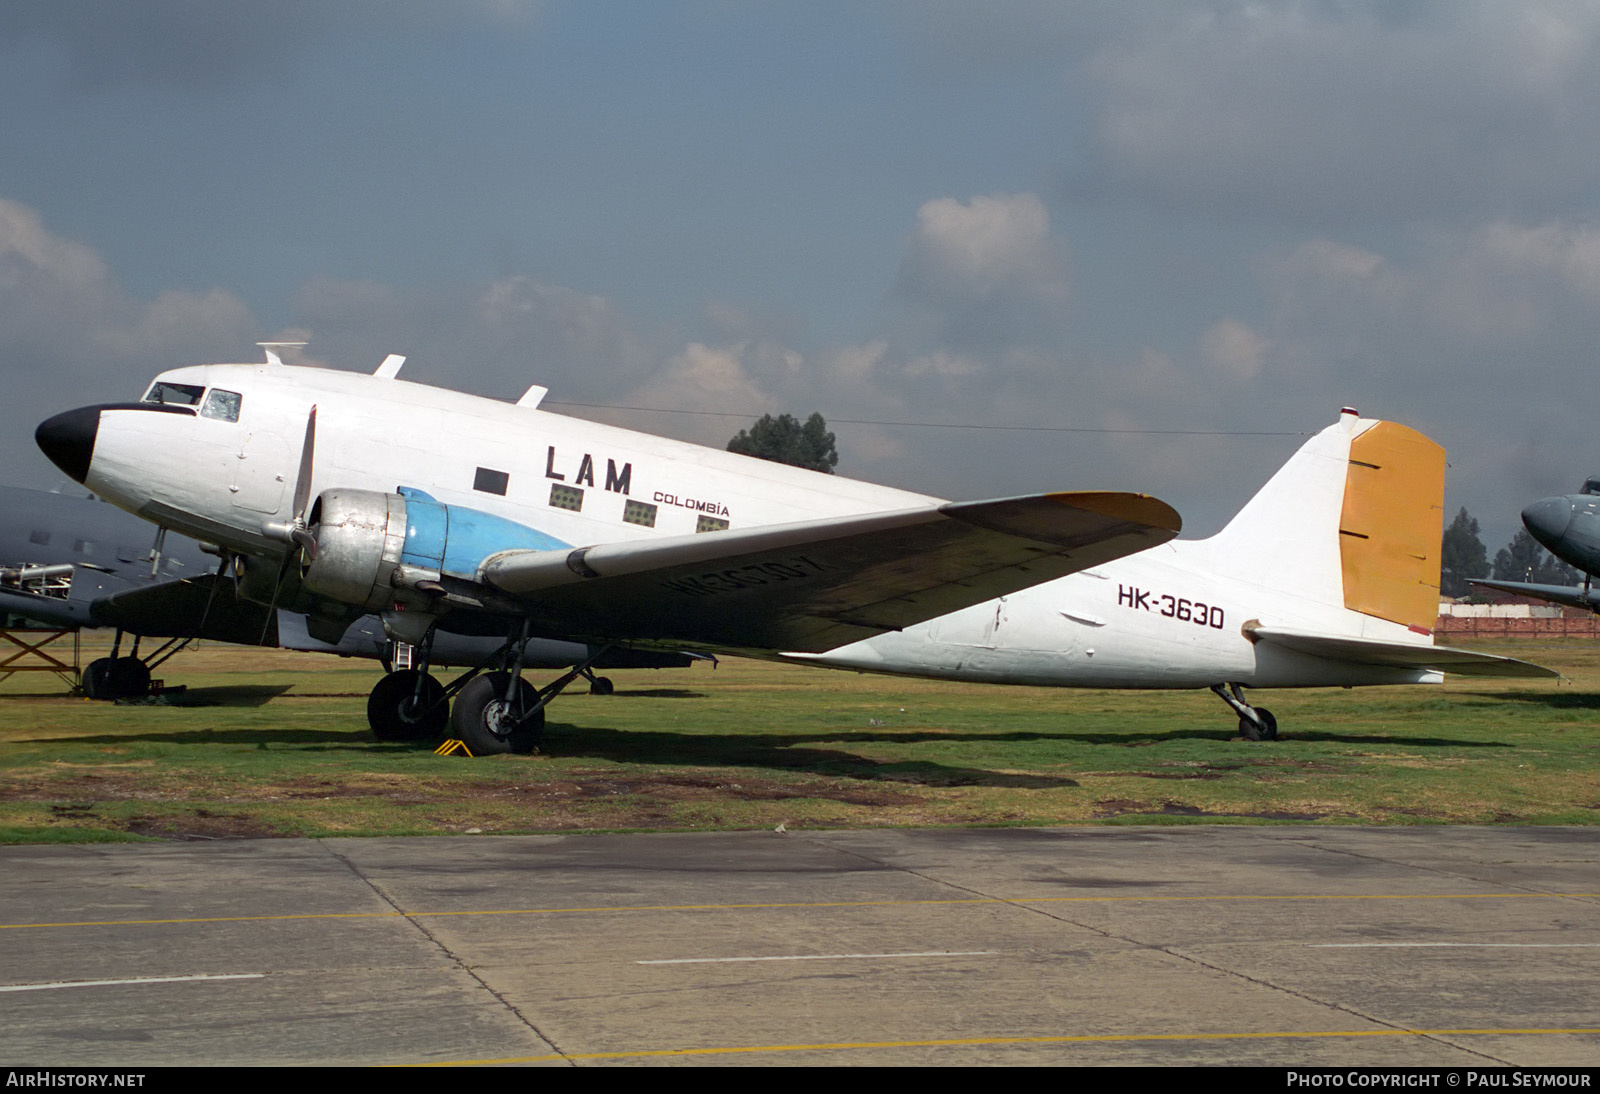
point(1400, 655)
point(815, 585)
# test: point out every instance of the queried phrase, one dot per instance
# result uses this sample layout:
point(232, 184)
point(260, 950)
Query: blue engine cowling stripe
point(454, 539)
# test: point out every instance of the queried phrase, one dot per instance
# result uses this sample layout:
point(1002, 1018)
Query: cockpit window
point(174, 394)
point(222, 404)
point(1592, 486)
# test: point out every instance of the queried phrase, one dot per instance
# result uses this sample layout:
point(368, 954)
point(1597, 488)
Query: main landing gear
point(125, 676)
point(1255, 723)
point(492, 712)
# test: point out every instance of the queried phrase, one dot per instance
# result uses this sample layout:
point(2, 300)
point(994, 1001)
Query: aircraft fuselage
point(229, 481)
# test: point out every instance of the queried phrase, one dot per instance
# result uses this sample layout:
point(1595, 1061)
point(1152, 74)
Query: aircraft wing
point(177, 609)
point(52, 610)
point(174, 608)
point(1400, 655)
point(1572, 596)
point(815, 585)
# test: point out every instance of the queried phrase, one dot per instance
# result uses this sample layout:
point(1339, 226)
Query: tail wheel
point(394, 713)
point(489, 724)
point(1266, 730)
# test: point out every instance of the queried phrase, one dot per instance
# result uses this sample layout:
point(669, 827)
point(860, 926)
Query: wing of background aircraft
point(1572, 596)
point(815, 585)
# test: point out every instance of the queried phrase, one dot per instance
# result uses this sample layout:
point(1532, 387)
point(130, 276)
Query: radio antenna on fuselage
point(272, 349)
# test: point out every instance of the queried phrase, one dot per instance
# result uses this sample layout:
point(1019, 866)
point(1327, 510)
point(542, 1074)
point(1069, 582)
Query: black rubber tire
point(97, 679)
point(130, 676)
point(109, 679)
point(1266, 731)
point(389, 713)
point(482, 719)
point(601, 685)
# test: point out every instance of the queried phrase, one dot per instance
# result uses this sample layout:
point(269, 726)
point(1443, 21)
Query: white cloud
point(1567, 252)
point(70, 334)
point(491, 338)
point(1234, 350)
point(698, 378)
point(963, 252)
point(30, 255)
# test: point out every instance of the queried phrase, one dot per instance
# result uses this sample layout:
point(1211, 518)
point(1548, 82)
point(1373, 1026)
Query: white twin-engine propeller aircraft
point(342, 494)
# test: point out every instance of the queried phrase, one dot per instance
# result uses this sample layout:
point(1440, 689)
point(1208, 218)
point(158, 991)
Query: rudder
point(1392, 525)
point(1353, 520)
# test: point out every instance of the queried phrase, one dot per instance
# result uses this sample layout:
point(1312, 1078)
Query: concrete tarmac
point(1314, 946)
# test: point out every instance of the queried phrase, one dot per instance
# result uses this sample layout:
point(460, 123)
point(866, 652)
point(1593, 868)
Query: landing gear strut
point(125, 677)
point(1255, 723)
point(501, 712)
point(494, 710)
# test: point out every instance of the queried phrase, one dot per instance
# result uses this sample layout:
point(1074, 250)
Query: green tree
point(1524, 560)
point(1462, 555)
point(785, 440)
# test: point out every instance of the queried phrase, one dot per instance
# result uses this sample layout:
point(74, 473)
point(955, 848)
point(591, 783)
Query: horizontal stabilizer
point(1398, 655)
point(1572, 596)
point(815, 585)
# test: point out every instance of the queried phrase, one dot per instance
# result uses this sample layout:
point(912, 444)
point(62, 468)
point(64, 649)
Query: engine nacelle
point(360, 536)
point(365, 538)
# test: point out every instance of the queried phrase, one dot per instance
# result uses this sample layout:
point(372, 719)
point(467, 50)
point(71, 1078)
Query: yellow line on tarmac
point(632, 908)
point(980, 1042)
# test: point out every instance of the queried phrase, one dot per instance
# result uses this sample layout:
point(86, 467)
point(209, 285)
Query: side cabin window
point(174, 394)
point(223, 405)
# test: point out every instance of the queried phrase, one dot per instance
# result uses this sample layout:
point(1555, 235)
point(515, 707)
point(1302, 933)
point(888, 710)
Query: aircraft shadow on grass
point(235, 695)
point(772, 752)
point(786, 752)
point(793, 752)
point(1555, 700)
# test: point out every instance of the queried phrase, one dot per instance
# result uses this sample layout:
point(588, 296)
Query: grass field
point(271, 743)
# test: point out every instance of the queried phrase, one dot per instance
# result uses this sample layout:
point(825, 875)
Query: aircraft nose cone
point(68, 439)
point(1547, 519)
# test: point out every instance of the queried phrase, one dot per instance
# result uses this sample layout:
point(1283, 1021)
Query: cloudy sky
point(1167, 239)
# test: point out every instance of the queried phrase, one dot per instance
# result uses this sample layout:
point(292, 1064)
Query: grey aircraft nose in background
point(1569, 528)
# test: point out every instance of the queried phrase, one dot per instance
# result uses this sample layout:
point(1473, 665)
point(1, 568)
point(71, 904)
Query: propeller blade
point(302, 482)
